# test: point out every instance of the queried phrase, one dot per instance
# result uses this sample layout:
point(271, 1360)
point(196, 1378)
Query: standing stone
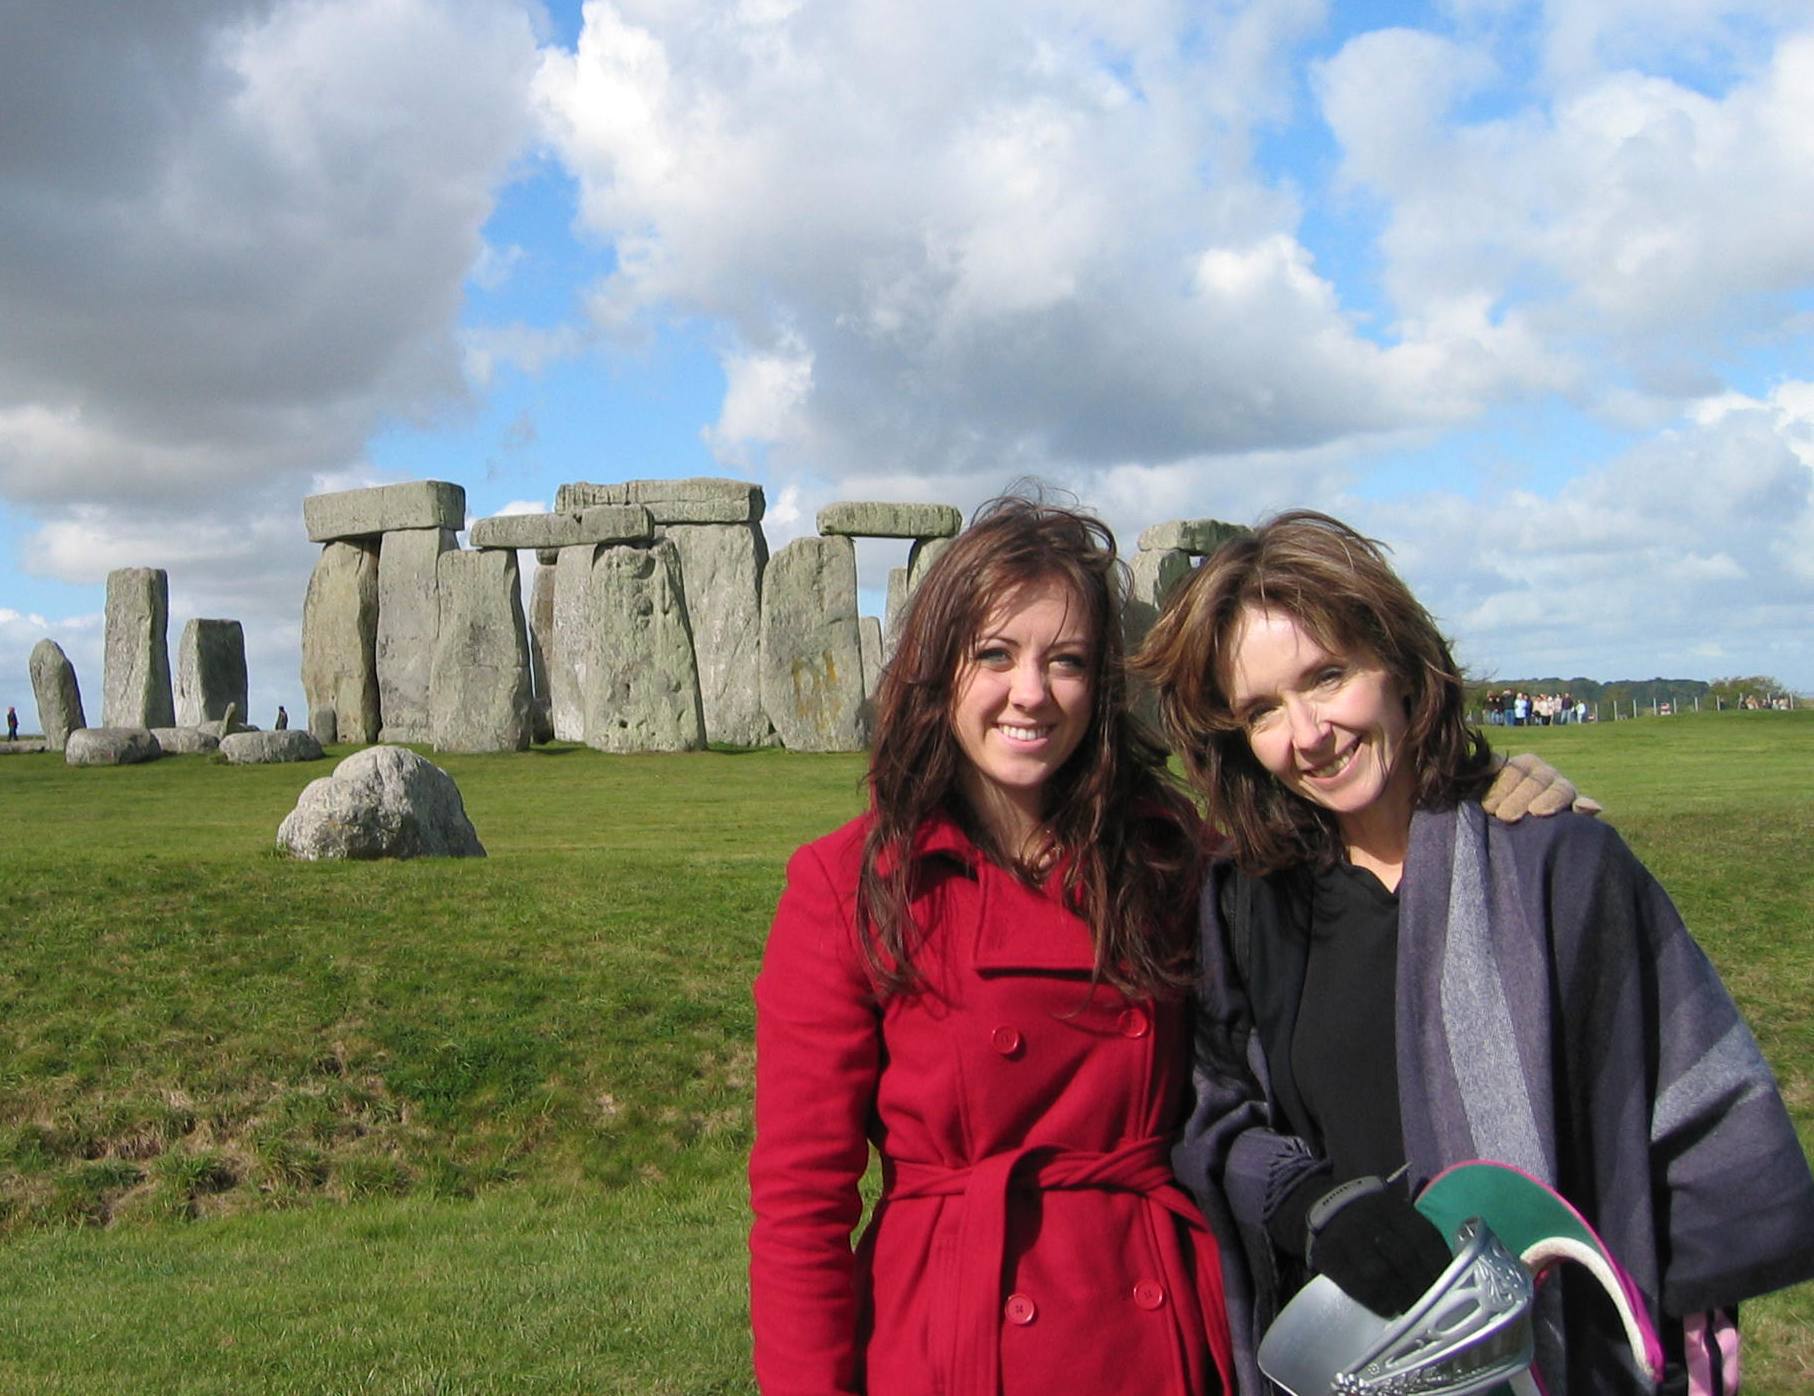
point(479, 686)
point(1199, 537)
point(721, 570)
point(920, 557)
point(210, 671)
point(53, 683)
point(135, 674)
point(1153, 573)
point(812, 661)
point(324, 725)
point(340, 637)
point(869, 631)
point(894, 611)
point(408, 615)
point(642, 688)
point(541, 643)
point(570, 654)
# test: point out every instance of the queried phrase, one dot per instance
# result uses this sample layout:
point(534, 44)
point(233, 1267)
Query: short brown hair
point(1338, 586)
point(1125, 835)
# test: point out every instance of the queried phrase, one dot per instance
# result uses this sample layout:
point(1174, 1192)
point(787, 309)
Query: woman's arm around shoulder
point(817, 1054)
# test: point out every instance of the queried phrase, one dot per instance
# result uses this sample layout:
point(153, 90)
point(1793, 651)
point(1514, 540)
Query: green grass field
point(480, 1126)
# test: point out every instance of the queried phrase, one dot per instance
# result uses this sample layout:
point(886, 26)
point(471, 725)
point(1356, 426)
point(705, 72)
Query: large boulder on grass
point(383, 802)
point(266, 748)
point(110, 746)
point(187, 741)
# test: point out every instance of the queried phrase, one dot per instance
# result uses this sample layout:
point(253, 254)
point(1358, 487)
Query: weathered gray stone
point(894, 611)
point(324, 725)
point(479, 690)
point(600, 523)
point(366, 513)
point(860, 519)
point(642, 688)
point(869, 631)
point(541, 641)
point(340, 638)
point(812, 663)
point(721, 569)
point(408, 617)
point(110, 746)
point(570, 653)
point(270, 748)
point(1153, 573)
point(920, 557)
point(230, 723)
point(383, 802)
point(53, 683)
point(210, 671)
point(1199, 537)
point(135, 674)
point(186, 741)
point(700, 500)
point(547, 557)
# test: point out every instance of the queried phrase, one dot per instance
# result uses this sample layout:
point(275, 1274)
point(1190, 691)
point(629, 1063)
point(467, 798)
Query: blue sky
point(1525, 290)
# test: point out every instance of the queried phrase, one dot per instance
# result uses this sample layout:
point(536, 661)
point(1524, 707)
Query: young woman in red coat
point(984, 979)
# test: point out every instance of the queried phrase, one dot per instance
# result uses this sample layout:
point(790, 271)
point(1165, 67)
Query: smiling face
point(1329, 727)
point(1022, 703)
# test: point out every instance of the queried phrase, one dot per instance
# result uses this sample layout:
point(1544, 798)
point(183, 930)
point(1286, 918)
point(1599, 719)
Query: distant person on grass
point(986, 977)
point(1393, 983)
point(12, 724)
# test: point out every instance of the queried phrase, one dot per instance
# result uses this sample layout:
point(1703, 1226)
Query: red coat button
point(1020, 1309)
point(1005, 1040)
point(1149, 1294)
point(1132, 1023)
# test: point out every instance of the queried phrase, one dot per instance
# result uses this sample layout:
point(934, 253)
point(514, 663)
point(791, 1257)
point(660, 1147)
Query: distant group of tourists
point(1089, 1183)
point(1516, 708)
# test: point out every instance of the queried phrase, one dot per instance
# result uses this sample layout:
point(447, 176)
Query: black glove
point(1373, 1243)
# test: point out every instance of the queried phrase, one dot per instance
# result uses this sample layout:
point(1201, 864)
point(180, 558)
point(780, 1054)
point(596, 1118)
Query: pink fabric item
point(1710, 1341)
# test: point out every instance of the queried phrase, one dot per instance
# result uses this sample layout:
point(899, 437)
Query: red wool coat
point(1029, 1240)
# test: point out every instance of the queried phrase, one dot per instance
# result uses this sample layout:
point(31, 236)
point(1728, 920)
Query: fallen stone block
point(135, 673)
point(348, 514)
point(53, 682)
point(858, 519)
point(186, 741)
point(383, 802)
point(111, 746)
point(269, 748)
point(599, 524)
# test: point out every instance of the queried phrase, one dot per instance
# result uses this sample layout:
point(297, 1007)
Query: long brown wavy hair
point(1126, 837)
point(1339, 587)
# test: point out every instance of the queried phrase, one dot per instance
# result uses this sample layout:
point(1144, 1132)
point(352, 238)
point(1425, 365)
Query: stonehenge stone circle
point(721, 567)
point(479, 684)
point(110, 746)
point(135, 674)
point(641, 691)
point(210, 671)
point(601, 523)
point(870, 520)
point(186, 741)
point(383, 802)
point(366, 513)
point(53, 682)
point(408, 618)
point(541, 640)
point(269, 748)
point(1199, 537)
point(340, 638)
point(812, 661)
point(324, 725)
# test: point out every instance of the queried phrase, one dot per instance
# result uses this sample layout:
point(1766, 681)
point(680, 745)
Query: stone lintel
point(1199, 537)
point(600, 523)
point(365, 513)
point(700, 499)
point(856, 519)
